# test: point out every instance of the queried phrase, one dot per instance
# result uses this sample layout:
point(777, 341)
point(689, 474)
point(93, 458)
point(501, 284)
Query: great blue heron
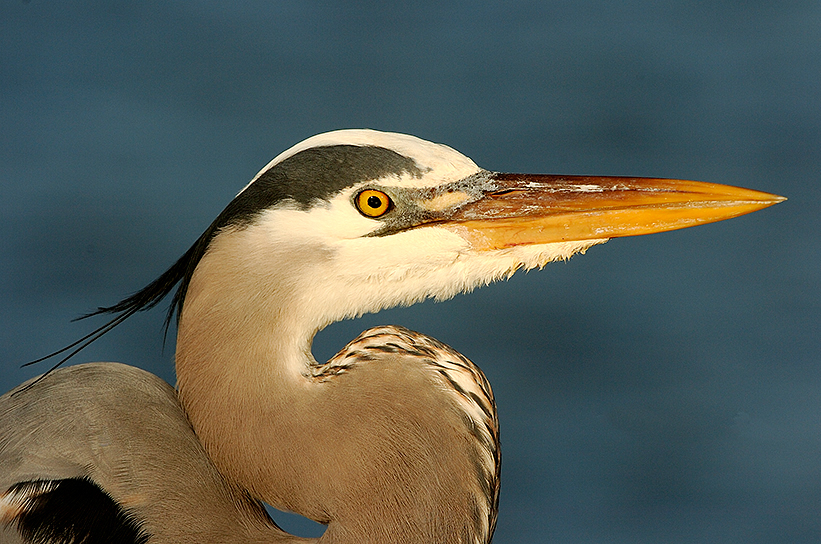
point(395, 439)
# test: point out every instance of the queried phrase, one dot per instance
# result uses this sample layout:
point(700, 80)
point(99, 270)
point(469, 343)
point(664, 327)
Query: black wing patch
point(70, 511)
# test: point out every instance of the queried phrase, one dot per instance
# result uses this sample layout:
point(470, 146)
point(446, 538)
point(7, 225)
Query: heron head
point(353, 221)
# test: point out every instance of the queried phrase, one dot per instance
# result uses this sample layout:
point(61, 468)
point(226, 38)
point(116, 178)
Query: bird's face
point(380, 219)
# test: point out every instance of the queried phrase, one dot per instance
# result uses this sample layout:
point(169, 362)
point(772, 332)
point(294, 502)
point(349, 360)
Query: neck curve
point(376, 450)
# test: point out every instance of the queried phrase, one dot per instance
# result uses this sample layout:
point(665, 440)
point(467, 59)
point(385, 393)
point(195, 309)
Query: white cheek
point(335, 269)
point(395, 257)
point(321, 226)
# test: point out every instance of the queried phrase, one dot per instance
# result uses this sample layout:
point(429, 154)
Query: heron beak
point(525, 209)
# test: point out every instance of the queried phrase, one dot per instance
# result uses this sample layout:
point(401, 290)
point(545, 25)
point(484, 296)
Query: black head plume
point(302, 179)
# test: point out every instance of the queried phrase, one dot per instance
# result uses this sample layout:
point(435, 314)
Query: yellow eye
point(373, 203)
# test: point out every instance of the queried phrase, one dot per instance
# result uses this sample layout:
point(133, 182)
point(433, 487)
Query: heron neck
point(324, 449)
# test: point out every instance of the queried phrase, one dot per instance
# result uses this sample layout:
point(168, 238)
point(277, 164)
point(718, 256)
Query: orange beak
point(524, 209)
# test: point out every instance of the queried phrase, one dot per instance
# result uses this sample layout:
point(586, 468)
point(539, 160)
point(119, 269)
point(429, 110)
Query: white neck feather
point(243, 358)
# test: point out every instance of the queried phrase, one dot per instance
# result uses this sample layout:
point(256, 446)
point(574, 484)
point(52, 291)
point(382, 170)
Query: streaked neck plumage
point(376, 451)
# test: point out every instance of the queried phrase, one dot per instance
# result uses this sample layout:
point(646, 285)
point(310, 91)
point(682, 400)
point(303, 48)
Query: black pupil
point(374, 202)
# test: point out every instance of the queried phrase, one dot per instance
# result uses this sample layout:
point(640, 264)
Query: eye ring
point(373, 203)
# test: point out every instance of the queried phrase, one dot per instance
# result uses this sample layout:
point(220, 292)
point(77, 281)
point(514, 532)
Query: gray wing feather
point(124, 430)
